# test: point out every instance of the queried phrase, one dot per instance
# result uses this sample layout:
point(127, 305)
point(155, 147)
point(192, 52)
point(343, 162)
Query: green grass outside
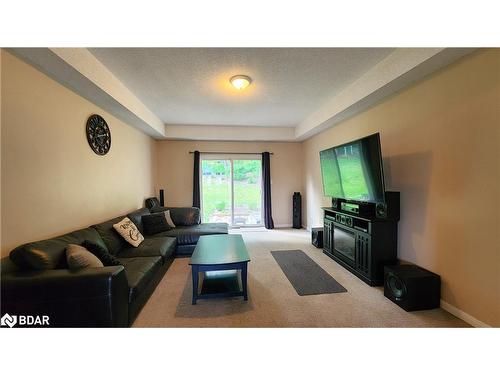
point(216, 187)
point(217, 196)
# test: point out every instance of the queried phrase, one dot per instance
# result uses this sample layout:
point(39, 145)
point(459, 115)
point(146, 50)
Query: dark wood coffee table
point(219, 257)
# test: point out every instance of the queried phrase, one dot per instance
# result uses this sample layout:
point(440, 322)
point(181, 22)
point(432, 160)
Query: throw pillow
point(127, 229)
point(170, 222)
point(100, 252)
point(79, 257)
point(155, 223)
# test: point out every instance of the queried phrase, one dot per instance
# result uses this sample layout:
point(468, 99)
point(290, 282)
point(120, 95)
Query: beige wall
point(175, 171)
point(52, 182)
point(440, 141)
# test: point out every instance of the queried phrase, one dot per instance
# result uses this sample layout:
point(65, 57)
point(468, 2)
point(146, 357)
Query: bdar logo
point(8, 320)
point(24, 320)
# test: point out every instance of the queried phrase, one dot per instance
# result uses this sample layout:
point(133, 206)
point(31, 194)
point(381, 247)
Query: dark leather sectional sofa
point(40, 283)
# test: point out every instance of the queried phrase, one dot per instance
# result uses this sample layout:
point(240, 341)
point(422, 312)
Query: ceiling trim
point(230, 133)
point(397, 71)
point(80, 71)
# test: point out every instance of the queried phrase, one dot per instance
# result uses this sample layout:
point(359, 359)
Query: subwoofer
point(317, 237)
point(412, 287)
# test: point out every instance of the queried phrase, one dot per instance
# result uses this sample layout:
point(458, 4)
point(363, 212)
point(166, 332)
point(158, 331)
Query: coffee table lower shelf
point(219, 281)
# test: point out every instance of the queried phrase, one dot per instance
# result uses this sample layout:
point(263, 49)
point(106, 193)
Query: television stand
point(363, 245)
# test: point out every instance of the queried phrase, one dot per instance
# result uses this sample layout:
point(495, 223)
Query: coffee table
point(219, 257)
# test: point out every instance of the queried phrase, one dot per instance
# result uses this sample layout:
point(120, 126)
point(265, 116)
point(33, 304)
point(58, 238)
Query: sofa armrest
point(183, 216)
point(92, 297)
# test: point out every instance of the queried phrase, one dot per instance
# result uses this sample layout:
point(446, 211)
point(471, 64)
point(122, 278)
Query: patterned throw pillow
point(127, 229)
point(155, 223)
point(100, 252)
point(79, 257)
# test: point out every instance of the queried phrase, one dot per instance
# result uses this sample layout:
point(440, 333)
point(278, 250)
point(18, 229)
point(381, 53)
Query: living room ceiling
point(184, 93)
point(190, 86)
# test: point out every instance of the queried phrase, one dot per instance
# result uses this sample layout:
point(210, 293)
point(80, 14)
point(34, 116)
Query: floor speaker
point(297, 210)
point(317, 237)
point(412, 287)
point(162, 198)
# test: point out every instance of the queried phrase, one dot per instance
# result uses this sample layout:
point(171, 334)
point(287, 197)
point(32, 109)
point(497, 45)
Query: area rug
point(305, 275)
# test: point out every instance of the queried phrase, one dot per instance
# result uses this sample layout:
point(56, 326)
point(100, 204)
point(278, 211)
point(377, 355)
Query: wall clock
point(98, 135)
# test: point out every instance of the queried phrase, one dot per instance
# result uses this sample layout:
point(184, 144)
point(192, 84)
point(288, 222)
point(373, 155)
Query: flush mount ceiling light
point(240, 82)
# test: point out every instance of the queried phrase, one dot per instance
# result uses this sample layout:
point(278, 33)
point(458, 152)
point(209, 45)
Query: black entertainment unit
point(363, 237)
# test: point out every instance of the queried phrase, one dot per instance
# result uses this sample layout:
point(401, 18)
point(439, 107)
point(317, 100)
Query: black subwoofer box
point(317, 237)
point(412, 287)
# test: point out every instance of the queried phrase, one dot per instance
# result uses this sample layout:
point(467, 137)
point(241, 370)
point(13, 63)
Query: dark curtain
point(196, 180)
point(266, 181)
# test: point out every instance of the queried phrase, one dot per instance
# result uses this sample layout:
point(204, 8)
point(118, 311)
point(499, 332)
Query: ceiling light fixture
point(240, 82)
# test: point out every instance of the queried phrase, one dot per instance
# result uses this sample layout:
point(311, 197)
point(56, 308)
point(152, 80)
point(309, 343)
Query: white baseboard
point(283, 225)
point(463, 315)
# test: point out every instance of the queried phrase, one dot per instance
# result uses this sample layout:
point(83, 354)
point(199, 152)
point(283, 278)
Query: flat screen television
point(353, 171)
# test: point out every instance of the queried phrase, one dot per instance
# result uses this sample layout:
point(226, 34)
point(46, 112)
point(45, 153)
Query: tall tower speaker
point(412, 287)
point(162, 198)
point(297, 210)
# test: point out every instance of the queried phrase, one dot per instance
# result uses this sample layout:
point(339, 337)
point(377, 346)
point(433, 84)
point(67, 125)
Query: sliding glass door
point(216, 187)
point(231, 189)
point(247, 192)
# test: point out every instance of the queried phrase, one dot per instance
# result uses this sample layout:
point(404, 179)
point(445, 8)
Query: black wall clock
point(98, 135)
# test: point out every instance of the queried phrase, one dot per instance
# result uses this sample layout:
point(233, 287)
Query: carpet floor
point(272, 300)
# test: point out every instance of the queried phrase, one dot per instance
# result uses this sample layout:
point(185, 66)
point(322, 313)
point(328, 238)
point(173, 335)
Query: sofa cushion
point(155, 223)
point(101, 253)
point(151, 246)
point(37, 259)
point(152, 202)
point(114, 242)
point(182, 215)
point(189, 235)
point(140, 271)
point(136, 217)
point(51, 253)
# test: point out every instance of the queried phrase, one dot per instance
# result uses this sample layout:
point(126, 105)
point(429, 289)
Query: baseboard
point(283, 225)
point(463, 315)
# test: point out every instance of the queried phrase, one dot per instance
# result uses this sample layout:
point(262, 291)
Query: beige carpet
point(273, 301)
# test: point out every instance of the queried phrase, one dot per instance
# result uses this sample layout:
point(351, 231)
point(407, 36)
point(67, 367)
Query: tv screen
point(353, 171)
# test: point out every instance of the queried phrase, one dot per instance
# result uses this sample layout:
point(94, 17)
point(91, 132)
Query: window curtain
point(196, 180)
point(266, 182)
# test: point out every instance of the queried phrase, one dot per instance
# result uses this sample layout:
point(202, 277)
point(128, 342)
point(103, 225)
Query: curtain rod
point(234, 153)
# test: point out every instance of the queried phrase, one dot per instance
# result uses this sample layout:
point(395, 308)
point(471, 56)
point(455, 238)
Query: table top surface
point(220, 249)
